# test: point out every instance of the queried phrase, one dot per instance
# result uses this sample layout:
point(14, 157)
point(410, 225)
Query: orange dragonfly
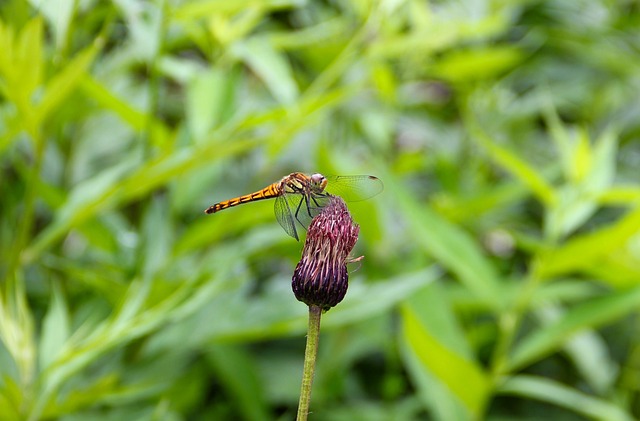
point(300, 197)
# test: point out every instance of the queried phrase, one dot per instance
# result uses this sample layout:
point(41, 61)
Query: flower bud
point(321, 277)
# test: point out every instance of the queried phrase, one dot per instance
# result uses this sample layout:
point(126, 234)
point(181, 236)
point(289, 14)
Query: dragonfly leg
point(303, 199)
point(306, 202)
point(318, 205)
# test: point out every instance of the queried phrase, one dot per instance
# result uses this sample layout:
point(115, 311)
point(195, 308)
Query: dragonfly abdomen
point(274, 190)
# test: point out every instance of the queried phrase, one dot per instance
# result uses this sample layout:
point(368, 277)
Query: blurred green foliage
point(502, 269)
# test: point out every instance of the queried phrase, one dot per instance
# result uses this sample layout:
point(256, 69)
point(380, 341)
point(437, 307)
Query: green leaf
point(106, 99)
point(432, 310)
point(278, 314)
point(588, 351)
point(620, 195)
point(477, 64)
point(602, 171)
point(462, 376)
point(453, 247)
point(461, 209)
point(592, 171)
point(443, 404)
point(591, 314)
point(29, 60)
point(205, 8)
point(85, 200)
point(210, 100)
point(371, 300)
point(157, 237)
point(271, 66)
point(236, 370)
point(55, 328)
point(528, 175)
point(545, 390)
point(63, 83)
point(22, 68)
point(620, 269)
point(431, 307)
point(11, 400)
point(583, 251)
point(59, 14)
point(559, 135)
point(113, 187)
point(231, 29)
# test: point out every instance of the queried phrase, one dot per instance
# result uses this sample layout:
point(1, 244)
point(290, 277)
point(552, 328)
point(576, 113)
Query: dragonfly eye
point(319, 181)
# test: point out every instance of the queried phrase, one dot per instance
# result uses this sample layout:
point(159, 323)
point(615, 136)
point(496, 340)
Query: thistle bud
point(321, 277)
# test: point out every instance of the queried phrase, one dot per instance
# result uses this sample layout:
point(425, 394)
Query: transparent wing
point(353, 188)
point(284, 215)
point(295, 210)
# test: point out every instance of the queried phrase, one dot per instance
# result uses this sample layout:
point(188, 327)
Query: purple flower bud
point(321, 277)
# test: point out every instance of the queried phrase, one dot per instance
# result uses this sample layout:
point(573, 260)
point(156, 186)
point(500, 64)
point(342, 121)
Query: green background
point(501, 277)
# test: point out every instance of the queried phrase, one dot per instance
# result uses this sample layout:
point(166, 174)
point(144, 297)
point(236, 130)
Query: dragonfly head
point(318, 182)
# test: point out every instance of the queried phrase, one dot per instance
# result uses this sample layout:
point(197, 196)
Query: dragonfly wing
point(353, 188)
point(285, 216)
point(296, 210)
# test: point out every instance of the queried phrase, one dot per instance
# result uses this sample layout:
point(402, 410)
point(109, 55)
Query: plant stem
point(310, 356)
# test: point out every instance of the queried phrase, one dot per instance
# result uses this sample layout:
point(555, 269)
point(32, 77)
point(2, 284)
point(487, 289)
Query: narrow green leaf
point(108, 100)
point(201, 9)
point(588, 351)
point(64, 82)
point(210, 100)
point(453, 247)
point(439, 33)
point(135, 118)
point(581, 157)
point(619, 269)
point(278, 314)
point(365, 302)
point(55, 328)
point(272, 67)
point(112, 187)
point(461, 209)
point(559, 134)
point(476, 64)
point(591, 314)
point(592, 172)
point(545, 390)
point(29, 64)
point(461, 375)
point(59, 14)
point(157, 233)
point(431, 307)
point(236, 370)
point(573, 207)
point(528, 175)
point(7, 37)
point(620, 195)
point(385, 81)
point(442, 403)
point(603, 167)
point(133, 304)
point(229, 30)
point(582, 251)
point(11, 400)
point(85, 200)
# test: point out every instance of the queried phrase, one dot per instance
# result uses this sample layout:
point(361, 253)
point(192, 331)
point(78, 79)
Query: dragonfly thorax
point(318, 182)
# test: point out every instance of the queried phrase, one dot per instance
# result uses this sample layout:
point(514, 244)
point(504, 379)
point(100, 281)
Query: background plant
point(501, 271)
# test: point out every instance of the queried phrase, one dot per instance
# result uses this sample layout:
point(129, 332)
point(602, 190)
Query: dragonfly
point(300, 197)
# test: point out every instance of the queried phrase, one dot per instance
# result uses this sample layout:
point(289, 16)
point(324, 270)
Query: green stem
point(310, 356)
